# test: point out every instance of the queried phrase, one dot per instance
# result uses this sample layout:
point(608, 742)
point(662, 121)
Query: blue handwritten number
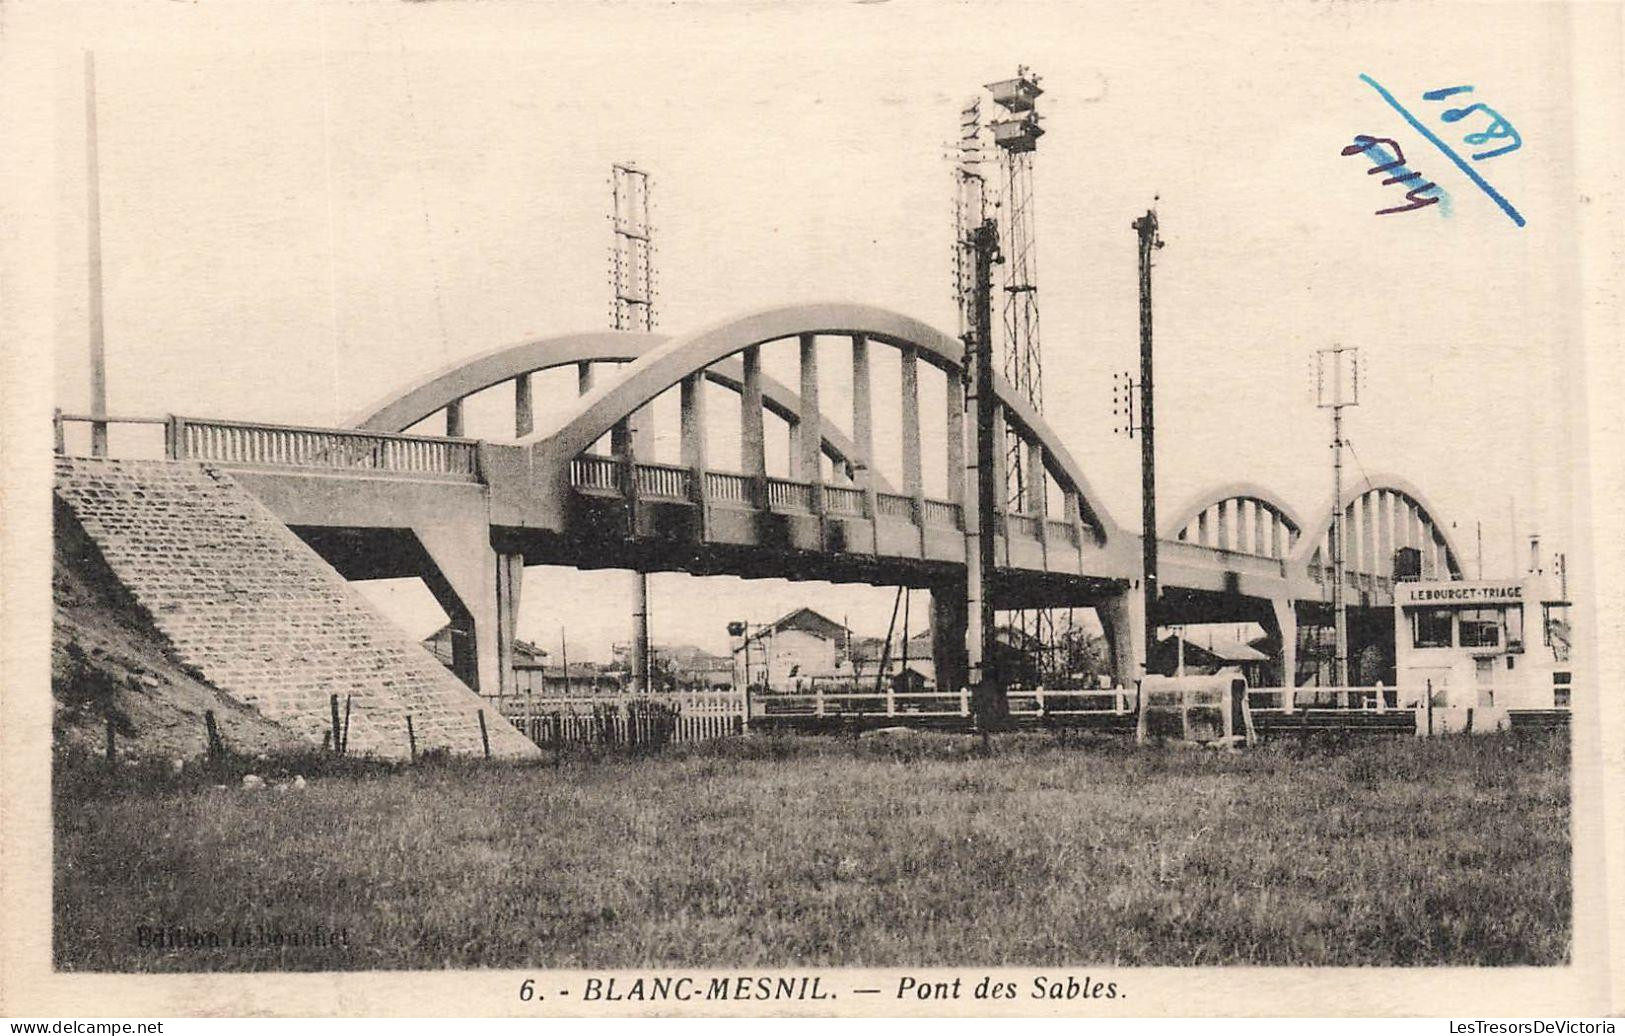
point(1498, 129)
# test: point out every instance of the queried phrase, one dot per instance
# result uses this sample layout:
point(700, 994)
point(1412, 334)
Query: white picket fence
point(1376, 698)
point(889, 703)
point(630, 719)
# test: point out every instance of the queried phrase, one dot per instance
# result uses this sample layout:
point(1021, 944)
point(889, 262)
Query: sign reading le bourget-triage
point(1461, 593)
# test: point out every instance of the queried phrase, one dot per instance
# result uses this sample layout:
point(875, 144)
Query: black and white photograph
point(823, 509)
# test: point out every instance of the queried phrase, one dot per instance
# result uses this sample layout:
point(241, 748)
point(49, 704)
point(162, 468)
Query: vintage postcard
point(836, 509)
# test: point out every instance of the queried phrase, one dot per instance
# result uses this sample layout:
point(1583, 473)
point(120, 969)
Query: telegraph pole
point(1146, 227)
point(986, 684)
point(1336, 400)
point(93, 204)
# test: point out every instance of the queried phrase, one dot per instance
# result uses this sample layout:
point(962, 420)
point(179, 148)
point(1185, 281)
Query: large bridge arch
point(573, 430)
point(1382, 514)
point(405, 407)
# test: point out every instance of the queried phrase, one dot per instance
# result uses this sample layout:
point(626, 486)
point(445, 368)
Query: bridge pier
point(479, 589)
point(950, 620)
point(1285, 622)
point(1122, 617)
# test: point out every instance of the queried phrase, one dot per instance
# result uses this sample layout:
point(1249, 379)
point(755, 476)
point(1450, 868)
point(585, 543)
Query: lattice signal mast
point(633, 309)
point(1016, 135)
point(631, 264)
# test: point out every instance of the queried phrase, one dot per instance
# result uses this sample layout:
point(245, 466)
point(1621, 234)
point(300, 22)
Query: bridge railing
point(893, 505)
point(593, 471)
point(846, 500)
point(943, 514)
point(99, 429)
point(787, 495)
point(1022, 525)
point(726, 487)
point(255, 444)
point(1238, 561)
point(596, 473)
point(666, 480)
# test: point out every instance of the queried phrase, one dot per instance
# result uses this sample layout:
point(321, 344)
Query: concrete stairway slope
point(262, 616)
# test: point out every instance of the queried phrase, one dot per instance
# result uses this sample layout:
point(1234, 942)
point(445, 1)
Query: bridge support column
point(913, 473)
point(1033, 495)
point(950, 620)
point(1385, 534)
point(863, 436)
point(1122, 617)
point(810, 447)
point(752, 436)
point(692, 434)
point(480, 591)
point(954, 436)
point(524, 413)
point(1285, 621)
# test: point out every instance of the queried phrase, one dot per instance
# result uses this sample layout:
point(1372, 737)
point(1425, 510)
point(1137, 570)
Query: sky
point(305, 209)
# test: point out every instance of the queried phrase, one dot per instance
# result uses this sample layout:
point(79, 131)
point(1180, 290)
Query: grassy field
point(833, 852)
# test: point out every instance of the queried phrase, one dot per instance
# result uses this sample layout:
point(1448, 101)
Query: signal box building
point(1484, 645)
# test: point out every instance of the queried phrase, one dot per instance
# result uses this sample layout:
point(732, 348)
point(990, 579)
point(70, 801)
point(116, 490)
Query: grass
point(823, 851)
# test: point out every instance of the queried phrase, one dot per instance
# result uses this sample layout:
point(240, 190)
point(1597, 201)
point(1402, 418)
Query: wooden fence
point(627, 719)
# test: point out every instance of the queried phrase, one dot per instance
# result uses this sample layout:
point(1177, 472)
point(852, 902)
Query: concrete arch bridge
point(468, 515)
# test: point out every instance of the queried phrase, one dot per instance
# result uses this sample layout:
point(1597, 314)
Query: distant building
point(803, 647)
point(540, 679)
point(796, 645)
point(683, 667)
point(1204, 656)
point(692, 668)
point(438, 644)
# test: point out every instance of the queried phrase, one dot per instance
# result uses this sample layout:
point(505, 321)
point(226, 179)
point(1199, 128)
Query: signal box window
point(1481, 627)
point(1556, 630)
point(1513, 617)
point(1430, 627)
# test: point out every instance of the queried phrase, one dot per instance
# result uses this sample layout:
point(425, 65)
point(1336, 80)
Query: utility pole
point(93, 202)
point(1336, 400)
point(1146, 227)
point(989, 705)
point(564, 660)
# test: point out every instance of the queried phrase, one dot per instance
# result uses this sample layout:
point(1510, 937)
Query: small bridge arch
point(1384, 513)
point(1240, 517)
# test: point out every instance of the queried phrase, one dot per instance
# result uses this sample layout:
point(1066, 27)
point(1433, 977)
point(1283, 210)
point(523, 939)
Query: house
point(552, 681)
point(438, 644)
point(694, 668)
point(867, 653)
point(683, 667)
point(1207, 655)
point(799, 643)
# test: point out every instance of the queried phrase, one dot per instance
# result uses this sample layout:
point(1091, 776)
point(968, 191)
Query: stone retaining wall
point(261, 616)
